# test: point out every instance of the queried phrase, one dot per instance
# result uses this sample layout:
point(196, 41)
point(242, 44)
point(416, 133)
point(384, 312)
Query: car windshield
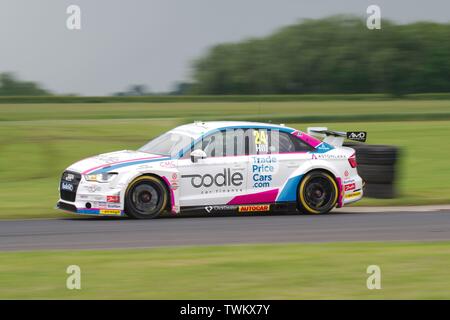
point(168, 144)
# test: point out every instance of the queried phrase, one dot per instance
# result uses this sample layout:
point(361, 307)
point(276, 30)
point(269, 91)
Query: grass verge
point(276, 271)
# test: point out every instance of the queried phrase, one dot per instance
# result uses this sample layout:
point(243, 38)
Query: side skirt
point(242, 209)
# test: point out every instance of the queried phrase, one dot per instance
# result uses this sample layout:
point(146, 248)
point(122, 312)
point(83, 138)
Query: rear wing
point(336, 138)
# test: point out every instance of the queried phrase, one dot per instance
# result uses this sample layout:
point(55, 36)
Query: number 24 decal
point(260, 137)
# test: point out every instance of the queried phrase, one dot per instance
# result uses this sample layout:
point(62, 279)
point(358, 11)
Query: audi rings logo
point(225, 179)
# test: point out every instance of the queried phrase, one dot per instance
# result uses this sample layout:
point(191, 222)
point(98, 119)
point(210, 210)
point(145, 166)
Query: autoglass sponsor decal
point(327, 156)
point(263, 169)
point(255, 208)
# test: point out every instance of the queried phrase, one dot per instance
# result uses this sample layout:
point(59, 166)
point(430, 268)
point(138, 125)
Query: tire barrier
point(377, 165)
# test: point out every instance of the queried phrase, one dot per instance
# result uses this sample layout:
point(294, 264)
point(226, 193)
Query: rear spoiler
point(336, 138)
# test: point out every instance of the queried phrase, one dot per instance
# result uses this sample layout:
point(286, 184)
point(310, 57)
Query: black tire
point(317, 193)
point(146, 198)
point(377, 154)
point(374, 154)
point(377, 173)
point(380, 191)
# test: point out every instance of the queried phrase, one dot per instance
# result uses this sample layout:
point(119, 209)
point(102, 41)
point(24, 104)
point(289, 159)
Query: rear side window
point(267, 141)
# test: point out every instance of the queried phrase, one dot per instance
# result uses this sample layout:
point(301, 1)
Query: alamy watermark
point(73, 22)
point(374, 280)
point(73, 281)
point(373, 21)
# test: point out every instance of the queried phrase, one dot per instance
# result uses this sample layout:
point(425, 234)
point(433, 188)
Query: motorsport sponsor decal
point(223, 179)
point(261, 142)
point(107, 159)
point(174, 181)
point(353, 195)
point(100, 204)
point(255, 208)
point(327, 156)
point(69, 177)
point(210, 209)
point(167, 164)
point(263, 169)
point(114, 206)
point(357, 136)
point(349, 187)
point(324, 147)
point(92, 188)
point(115, 198)
point(67, 186)
point(111, 212)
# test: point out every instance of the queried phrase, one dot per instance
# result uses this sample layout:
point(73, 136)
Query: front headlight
point(101, 177)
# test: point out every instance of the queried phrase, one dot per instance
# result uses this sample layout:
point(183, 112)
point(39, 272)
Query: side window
point(300, 146)
point(281, 142)
point(235, 143)
point(212, 144)
point(265, 141)
point(224, 143)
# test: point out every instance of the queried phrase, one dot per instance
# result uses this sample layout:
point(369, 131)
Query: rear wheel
point(146, 198)
point(318, 193)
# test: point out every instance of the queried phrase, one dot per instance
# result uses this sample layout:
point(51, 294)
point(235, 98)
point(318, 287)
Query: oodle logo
point(262, 171)
point(225, 179)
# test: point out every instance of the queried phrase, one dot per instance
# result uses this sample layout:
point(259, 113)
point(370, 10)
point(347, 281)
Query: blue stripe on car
point(126, 164)
point(289, 192)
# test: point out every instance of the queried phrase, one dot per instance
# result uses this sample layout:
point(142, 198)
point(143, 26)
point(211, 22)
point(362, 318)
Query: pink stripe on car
point(260, 197)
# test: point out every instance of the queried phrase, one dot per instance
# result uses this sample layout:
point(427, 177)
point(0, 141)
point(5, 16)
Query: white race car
point(218, 167)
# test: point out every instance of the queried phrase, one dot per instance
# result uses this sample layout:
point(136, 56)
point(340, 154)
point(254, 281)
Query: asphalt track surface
point(95, 233)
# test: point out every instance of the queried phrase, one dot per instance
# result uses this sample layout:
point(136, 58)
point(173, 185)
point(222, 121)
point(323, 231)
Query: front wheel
point(317, 193)
point(146, 198)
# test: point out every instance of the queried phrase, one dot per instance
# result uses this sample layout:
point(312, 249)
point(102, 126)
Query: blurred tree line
point(11, 86)
point(332, 55)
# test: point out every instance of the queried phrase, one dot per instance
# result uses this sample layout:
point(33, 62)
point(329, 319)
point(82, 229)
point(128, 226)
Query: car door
point(274, 156)
point(219, 177)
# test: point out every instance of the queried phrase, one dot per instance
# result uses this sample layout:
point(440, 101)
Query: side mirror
point(198, 154)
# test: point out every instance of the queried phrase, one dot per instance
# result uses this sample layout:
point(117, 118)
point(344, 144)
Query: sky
point(154, 42)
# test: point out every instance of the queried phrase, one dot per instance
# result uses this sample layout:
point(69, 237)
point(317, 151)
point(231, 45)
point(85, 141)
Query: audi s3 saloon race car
point(242, 167)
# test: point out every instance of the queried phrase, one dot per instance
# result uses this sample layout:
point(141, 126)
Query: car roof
point(201, 127)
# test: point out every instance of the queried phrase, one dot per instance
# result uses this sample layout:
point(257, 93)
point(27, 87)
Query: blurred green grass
point(35, 150)
point(276, 271)
point(221, 110)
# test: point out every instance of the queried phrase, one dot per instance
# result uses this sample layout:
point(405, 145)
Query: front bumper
point(68, 207)
point(90, 198)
